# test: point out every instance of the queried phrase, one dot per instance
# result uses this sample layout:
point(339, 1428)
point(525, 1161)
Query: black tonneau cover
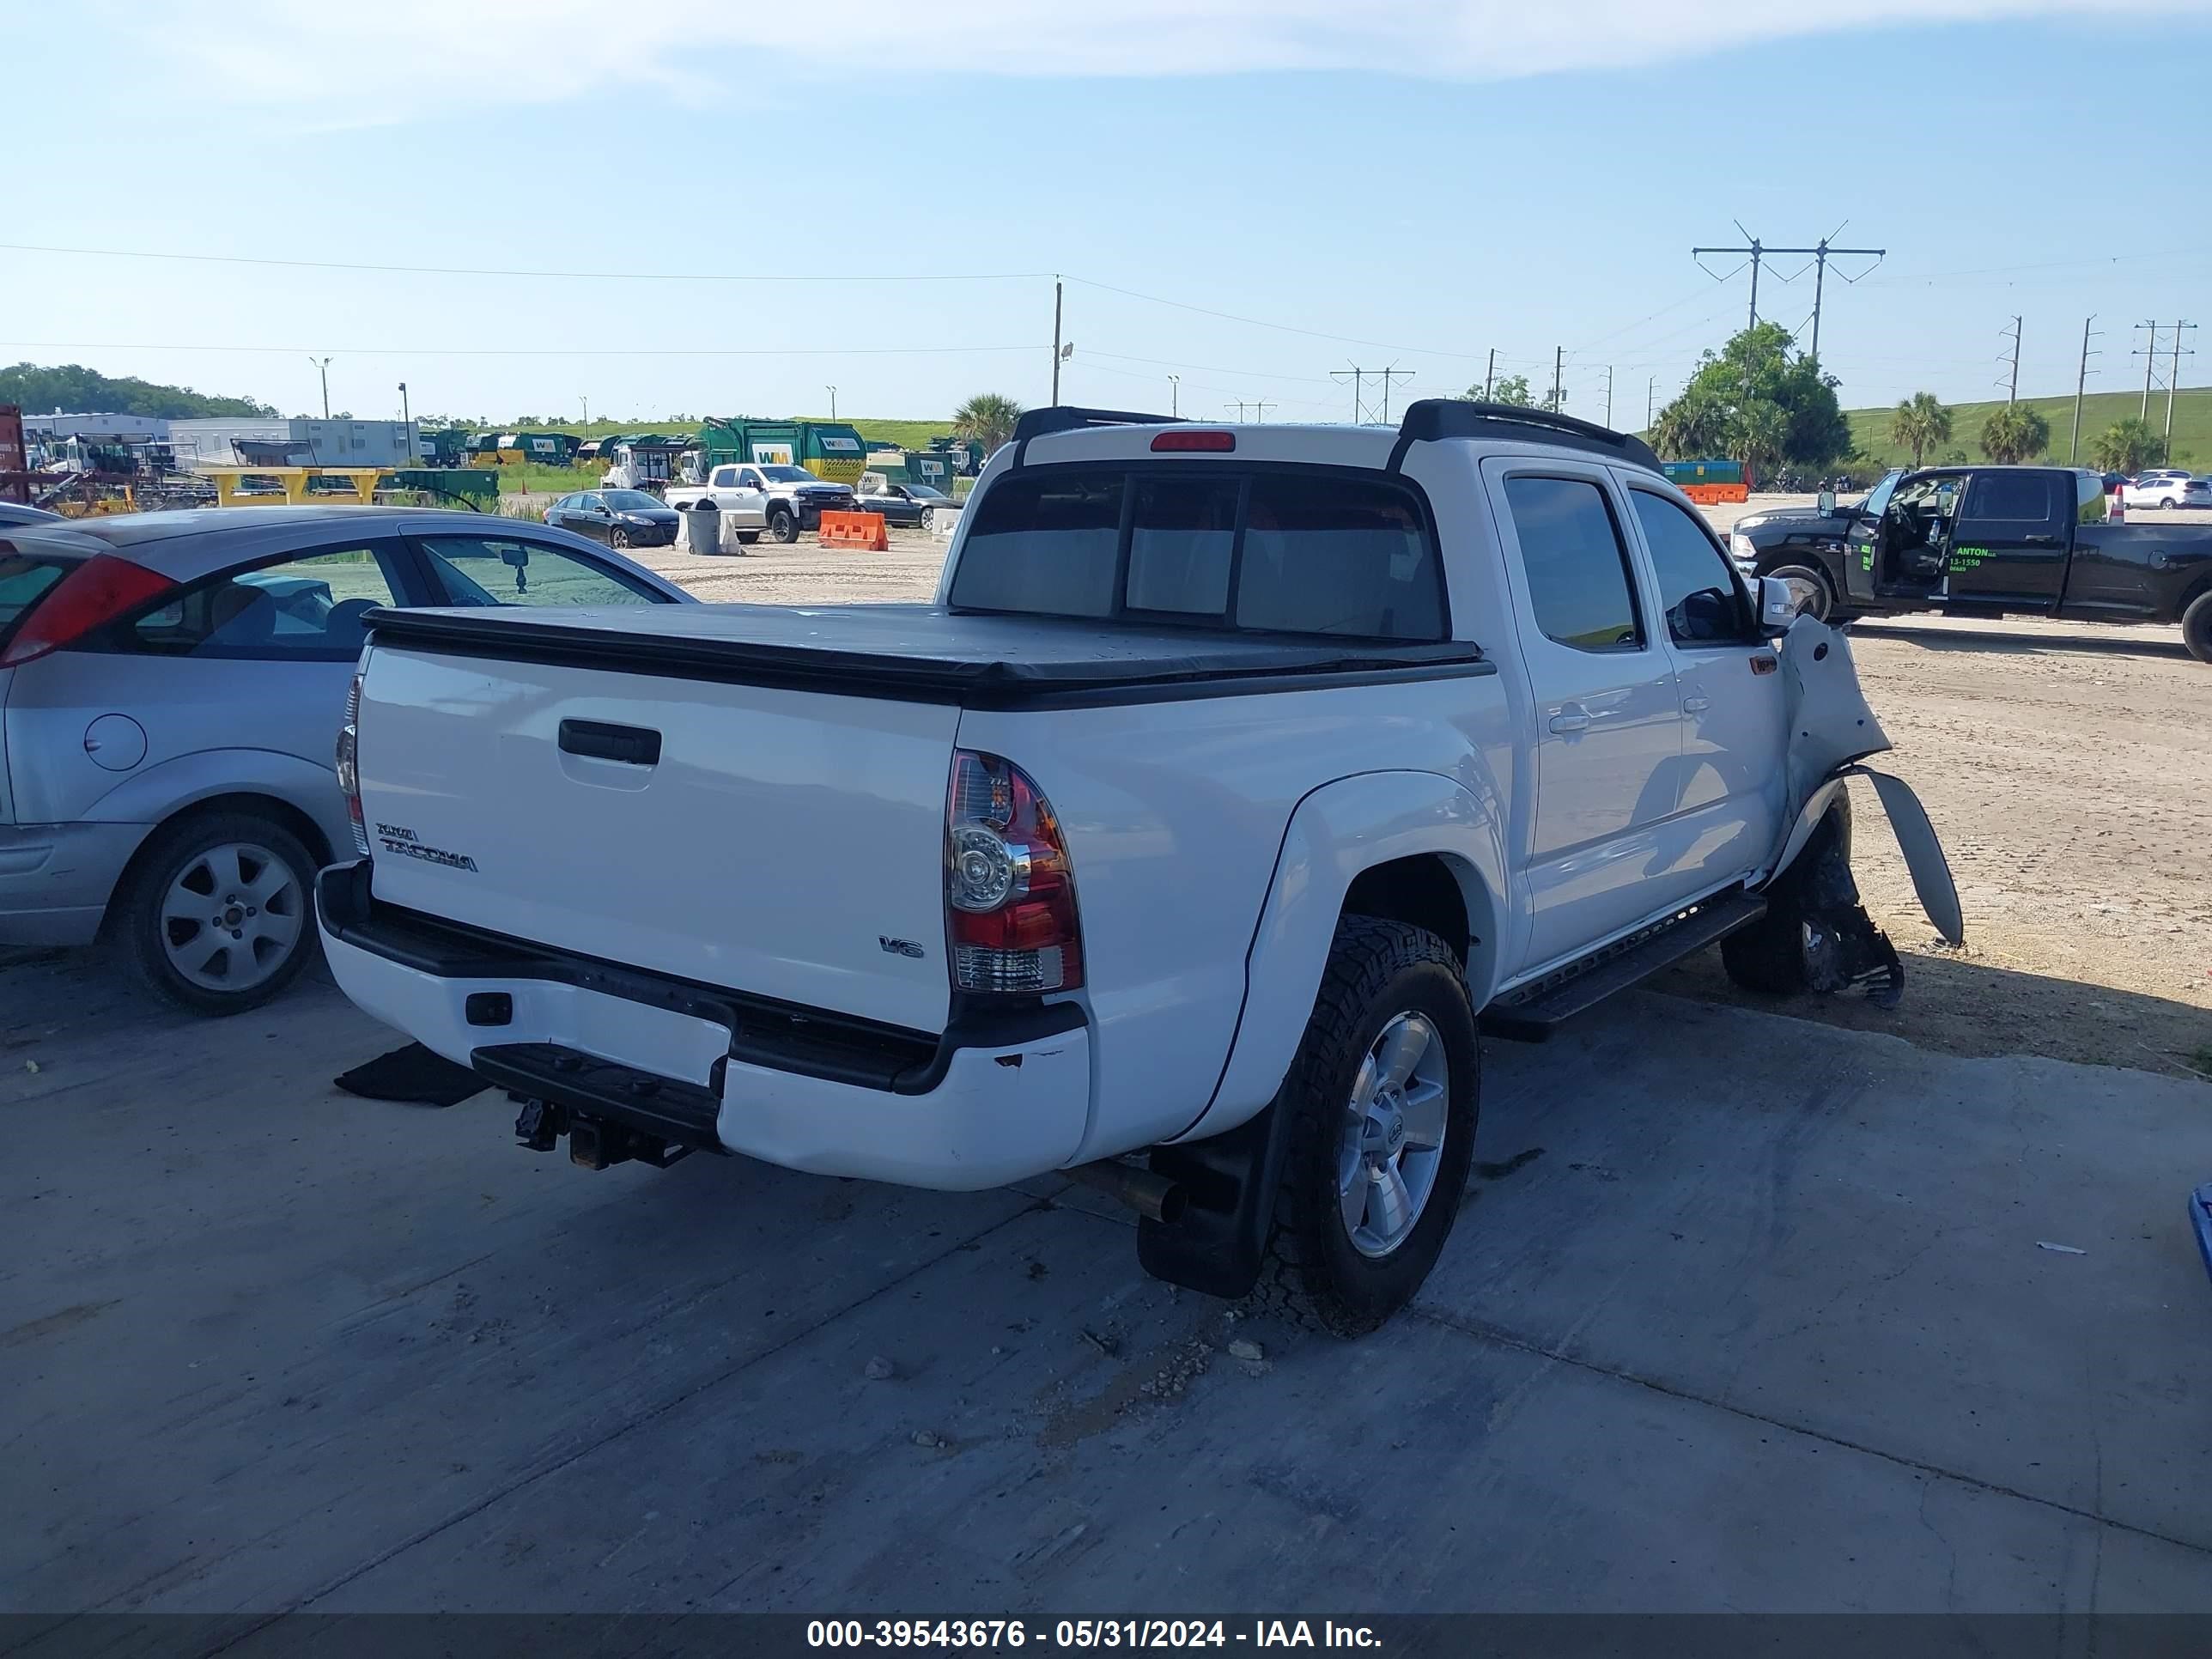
point(922, 654)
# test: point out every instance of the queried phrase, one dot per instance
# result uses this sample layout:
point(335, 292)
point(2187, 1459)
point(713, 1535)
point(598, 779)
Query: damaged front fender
point(1831, 731)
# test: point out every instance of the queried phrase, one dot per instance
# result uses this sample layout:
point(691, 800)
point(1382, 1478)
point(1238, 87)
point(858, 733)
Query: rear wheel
point(747, 538)
point(2197, 627)
point(215, 915)
point(2172, 504)
point(783, 524)
point(1382, 1099)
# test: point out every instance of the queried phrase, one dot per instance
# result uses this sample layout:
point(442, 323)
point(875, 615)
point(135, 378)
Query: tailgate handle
point(639, 745)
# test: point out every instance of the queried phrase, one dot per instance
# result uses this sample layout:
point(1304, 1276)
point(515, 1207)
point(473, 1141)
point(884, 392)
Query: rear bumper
point(990, 1101)
point(55, 878)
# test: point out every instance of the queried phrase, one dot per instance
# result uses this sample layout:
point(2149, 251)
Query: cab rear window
point(1276, 550)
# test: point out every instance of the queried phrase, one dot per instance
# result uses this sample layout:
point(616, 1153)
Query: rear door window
point(1576, 566)
point(1279, 549)
point(485, 570)
point(307, 606)
point(2024, 497)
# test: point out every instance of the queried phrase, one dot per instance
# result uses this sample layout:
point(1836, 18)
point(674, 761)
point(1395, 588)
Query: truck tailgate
point(781, 841)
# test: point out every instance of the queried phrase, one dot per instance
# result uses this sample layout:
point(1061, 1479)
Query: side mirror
point(1827, 503)
point(1778, 606)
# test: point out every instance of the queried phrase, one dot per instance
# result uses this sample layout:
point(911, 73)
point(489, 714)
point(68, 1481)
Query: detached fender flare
point(1334, 833)
point(158, 792)
point(1932, 881)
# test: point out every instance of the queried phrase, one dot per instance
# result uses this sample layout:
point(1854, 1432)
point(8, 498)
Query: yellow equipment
point(354, 483)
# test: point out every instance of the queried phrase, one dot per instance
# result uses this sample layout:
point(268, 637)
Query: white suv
point(2167, 489)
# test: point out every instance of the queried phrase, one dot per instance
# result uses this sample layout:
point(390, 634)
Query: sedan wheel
point(216, 916)
point(619, 539)
point(929, 519)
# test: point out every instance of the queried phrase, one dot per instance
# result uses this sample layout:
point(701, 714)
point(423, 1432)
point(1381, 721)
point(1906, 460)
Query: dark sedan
point(916, 506)
point(620, 518)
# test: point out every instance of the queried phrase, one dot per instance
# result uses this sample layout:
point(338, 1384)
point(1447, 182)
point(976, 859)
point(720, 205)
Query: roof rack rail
point(1431, 418)
point(1066, 418)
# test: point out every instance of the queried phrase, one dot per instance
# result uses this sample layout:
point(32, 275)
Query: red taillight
point(93, 594)
point(1183, 438)
point(1010, 915)
point(348, 765)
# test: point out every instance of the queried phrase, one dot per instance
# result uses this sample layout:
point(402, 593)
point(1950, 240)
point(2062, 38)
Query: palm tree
point(1920, 424)
point(1689, 428)
point(988, 416)
point(2013, 434)
point(2126, 445)
point(1759, 433)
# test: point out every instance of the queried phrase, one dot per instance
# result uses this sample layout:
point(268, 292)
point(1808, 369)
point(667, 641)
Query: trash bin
point(703, 527)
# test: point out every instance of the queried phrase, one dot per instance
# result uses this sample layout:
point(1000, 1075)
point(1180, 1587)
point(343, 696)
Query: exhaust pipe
point(1151, 1196)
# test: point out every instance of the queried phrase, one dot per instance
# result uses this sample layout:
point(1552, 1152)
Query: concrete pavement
point(1742, 1313)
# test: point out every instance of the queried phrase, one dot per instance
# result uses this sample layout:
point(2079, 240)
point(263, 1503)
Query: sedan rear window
point(24, 579)
point(1279, 550)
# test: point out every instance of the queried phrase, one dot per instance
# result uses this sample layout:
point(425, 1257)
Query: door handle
point(1564, 721)
point(2041, 541)
point(1696, 705)
point(635, 745)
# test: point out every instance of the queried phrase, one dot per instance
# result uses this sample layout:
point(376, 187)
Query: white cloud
point(402, 59)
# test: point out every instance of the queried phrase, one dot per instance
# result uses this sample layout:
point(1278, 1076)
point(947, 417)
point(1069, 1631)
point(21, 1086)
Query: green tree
point(988, 416)
point(1759, 433)
point(2015, 433)
point(1722, 404)
point(2126, 445)
point(1920, 424)
point(1513, 389)
point(77, 390)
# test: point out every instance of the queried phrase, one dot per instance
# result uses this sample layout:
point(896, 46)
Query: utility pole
point(1650, 393)
point(2149, 355)
point(1821, 253)
point(2173, 380)
point(587, 402)
point(2080, 380)
point(1490, 374)
point(832, 391)
point(406, 418)
point(2012, 386)
point(323, 368)
point(1260, 412)
point(1359, 408)
point(1403, 375)
point(1559, 362)
point(1175, 396)
point(1055, 343)
point(1608, 394)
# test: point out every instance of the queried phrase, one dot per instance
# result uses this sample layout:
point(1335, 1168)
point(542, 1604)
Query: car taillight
point(93, 594)
point(348, 766)
point(1010, 914)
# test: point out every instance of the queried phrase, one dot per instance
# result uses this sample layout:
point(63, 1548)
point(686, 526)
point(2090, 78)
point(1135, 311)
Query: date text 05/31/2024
point(1086, 1633)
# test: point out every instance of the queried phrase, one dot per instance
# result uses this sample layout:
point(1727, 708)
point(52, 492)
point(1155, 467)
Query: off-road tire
point(2197, 627)
point(1311, 1274)
point(1768, 957)
point(783, 524)
point(134, 919)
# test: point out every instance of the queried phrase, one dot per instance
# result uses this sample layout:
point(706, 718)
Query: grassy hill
point(902, 434)
point(2193, 426)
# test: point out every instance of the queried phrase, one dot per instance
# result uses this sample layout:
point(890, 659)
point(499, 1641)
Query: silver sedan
point(170, 688)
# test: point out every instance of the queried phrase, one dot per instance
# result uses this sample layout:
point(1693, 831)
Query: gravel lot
point(2064, 765)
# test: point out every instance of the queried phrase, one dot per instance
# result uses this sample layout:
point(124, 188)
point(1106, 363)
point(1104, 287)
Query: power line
point(537, 351)
point(1361, 409)
point(1822, 252)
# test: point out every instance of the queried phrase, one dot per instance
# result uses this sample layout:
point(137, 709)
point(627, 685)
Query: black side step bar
point(1534, 1013)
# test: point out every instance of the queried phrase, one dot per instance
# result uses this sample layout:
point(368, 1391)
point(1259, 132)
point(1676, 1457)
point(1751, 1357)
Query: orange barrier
point(862, 530)
point(1714, 494)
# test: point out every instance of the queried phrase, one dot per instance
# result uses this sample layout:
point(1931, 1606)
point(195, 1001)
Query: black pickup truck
point(1987, 541)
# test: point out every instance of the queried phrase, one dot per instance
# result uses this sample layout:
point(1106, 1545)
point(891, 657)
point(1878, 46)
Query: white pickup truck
point(771, 496)
point(1236, 775)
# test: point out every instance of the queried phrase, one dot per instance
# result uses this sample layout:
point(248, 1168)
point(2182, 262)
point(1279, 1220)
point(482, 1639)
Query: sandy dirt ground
point(2066, 768)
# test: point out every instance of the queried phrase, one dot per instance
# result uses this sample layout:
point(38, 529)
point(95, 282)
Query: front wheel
point(748, 538)
point(215, 917)
point(619, 539)
point(928, 523)
point(2197, 627)
point(784, 526)
point(1381, 1101)
point(1809, 589)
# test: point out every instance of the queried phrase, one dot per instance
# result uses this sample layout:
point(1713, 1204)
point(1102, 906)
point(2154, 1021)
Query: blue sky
point(1431, 180)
